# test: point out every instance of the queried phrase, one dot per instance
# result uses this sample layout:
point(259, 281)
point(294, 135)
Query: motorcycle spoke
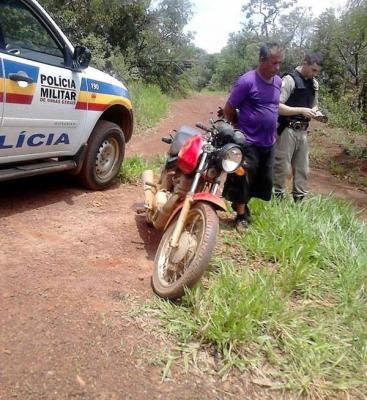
point(173, 272)
point(194, 221)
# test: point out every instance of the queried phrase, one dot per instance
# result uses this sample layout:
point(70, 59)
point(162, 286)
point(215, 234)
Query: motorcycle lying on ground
point(184, 200)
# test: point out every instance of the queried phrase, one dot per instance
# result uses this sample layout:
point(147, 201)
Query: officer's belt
point(298, 125)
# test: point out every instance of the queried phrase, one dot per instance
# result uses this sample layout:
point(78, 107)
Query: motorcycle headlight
point(231, 157)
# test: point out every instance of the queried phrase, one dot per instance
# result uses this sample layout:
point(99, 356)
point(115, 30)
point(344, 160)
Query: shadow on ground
point(150, 236)
point(25, 194)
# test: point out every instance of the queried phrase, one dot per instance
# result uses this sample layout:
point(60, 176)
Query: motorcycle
point(184, 200)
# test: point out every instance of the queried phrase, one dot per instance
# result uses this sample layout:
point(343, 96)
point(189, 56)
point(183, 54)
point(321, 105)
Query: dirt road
point(72, 265)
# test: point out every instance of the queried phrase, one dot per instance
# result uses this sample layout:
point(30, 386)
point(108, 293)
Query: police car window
point(24, 35)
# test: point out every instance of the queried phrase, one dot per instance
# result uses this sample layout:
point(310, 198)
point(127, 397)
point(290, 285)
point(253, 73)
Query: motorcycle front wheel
point(178, 268)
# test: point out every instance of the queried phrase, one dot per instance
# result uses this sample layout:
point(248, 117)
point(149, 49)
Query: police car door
point(40, 119)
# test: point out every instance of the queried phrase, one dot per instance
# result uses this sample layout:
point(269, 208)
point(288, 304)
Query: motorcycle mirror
point(167, 140)
point(203, 127)
point(220, 112)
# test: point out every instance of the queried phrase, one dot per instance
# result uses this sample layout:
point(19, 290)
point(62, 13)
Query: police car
point(57, 113)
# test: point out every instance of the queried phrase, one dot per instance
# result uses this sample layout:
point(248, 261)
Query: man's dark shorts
point(257, 182)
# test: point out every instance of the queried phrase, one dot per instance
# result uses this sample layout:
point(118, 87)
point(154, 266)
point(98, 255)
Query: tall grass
point(149, 103)
point(287, 298)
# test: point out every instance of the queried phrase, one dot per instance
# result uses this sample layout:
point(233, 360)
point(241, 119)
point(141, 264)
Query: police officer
point(298, 104)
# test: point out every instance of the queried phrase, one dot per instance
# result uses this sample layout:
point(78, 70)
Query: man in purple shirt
point(253, 107)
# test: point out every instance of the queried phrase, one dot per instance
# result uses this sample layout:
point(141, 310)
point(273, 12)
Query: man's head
point(270, 59)
point(311, 65)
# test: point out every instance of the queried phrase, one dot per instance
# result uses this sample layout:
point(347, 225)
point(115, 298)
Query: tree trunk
point(363, 98)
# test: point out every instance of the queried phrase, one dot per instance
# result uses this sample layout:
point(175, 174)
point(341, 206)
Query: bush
point(149, 103)
point(342, 112)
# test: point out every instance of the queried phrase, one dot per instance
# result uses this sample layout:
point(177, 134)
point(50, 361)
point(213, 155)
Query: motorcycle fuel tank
point(189, 154)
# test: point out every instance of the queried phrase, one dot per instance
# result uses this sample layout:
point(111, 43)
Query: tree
point(164, 48)
point(240, 55)
point(142, 38)
point(261, 15)
point(343, 42)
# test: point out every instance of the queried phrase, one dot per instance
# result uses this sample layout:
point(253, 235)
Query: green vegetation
point(288, 299)
point(146, 41)
point(337, 169)
point(133, 167)
point(342, 113)
point(150, 104)
point(132, 39)
point(317, 154)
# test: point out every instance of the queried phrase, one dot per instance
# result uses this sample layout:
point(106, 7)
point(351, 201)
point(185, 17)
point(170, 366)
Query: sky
point(214, 20)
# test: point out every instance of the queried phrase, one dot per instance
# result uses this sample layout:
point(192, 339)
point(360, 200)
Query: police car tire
point(103, 132)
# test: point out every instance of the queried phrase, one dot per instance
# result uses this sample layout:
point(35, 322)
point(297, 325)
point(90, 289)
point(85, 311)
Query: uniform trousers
point(291, 155)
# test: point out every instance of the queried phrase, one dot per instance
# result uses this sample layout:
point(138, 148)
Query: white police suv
point(57, 113)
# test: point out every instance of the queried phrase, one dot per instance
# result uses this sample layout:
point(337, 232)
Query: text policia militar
point(57, 89)
point(24, 139)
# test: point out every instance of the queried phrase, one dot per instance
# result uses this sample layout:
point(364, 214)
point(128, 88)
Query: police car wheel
point(105, 153)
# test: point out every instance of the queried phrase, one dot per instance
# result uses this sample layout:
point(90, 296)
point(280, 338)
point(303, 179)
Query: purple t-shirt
point(258, 104)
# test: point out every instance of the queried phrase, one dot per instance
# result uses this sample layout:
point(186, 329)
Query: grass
point(358, 180)
point(346, 172)
point(149, 103)
point(317, 154)
point(217, 92)
point(337, 169)
point(288, 298)
point(133, 167)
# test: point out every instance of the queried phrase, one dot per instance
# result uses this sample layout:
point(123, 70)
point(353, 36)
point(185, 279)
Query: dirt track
point(71, 264)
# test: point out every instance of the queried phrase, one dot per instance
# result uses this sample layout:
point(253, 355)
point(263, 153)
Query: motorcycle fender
point(216, 201)
point(211, 198)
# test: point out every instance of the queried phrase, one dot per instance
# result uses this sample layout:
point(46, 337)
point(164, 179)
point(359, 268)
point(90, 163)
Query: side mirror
point(81, 57)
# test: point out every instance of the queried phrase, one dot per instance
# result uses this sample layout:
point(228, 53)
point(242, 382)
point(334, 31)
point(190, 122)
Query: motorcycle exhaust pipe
point(149, 188)
point(163, 213)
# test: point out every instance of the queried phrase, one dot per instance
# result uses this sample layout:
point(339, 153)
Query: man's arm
point(288, 111)
point(288, 86)
point(231, 114)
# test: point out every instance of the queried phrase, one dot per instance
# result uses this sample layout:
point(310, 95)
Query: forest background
point(144, 43)
point(146, 39)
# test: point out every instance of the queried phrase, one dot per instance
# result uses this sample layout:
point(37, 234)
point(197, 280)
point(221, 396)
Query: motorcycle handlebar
point(203, 127)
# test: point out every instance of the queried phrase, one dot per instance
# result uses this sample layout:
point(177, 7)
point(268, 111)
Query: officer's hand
point(308, 113)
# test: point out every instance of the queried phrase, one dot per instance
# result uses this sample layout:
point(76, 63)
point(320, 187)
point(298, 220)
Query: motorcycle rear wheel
point(178, 268)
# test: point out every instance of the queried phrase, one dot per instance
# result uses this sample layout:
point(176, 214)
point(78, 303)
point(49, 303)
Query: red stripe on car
point(18, 98)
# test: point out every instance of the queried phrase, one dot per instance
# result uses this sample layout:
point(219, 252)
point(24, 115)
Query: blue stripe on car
point(106, 88)
point(12, 67)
